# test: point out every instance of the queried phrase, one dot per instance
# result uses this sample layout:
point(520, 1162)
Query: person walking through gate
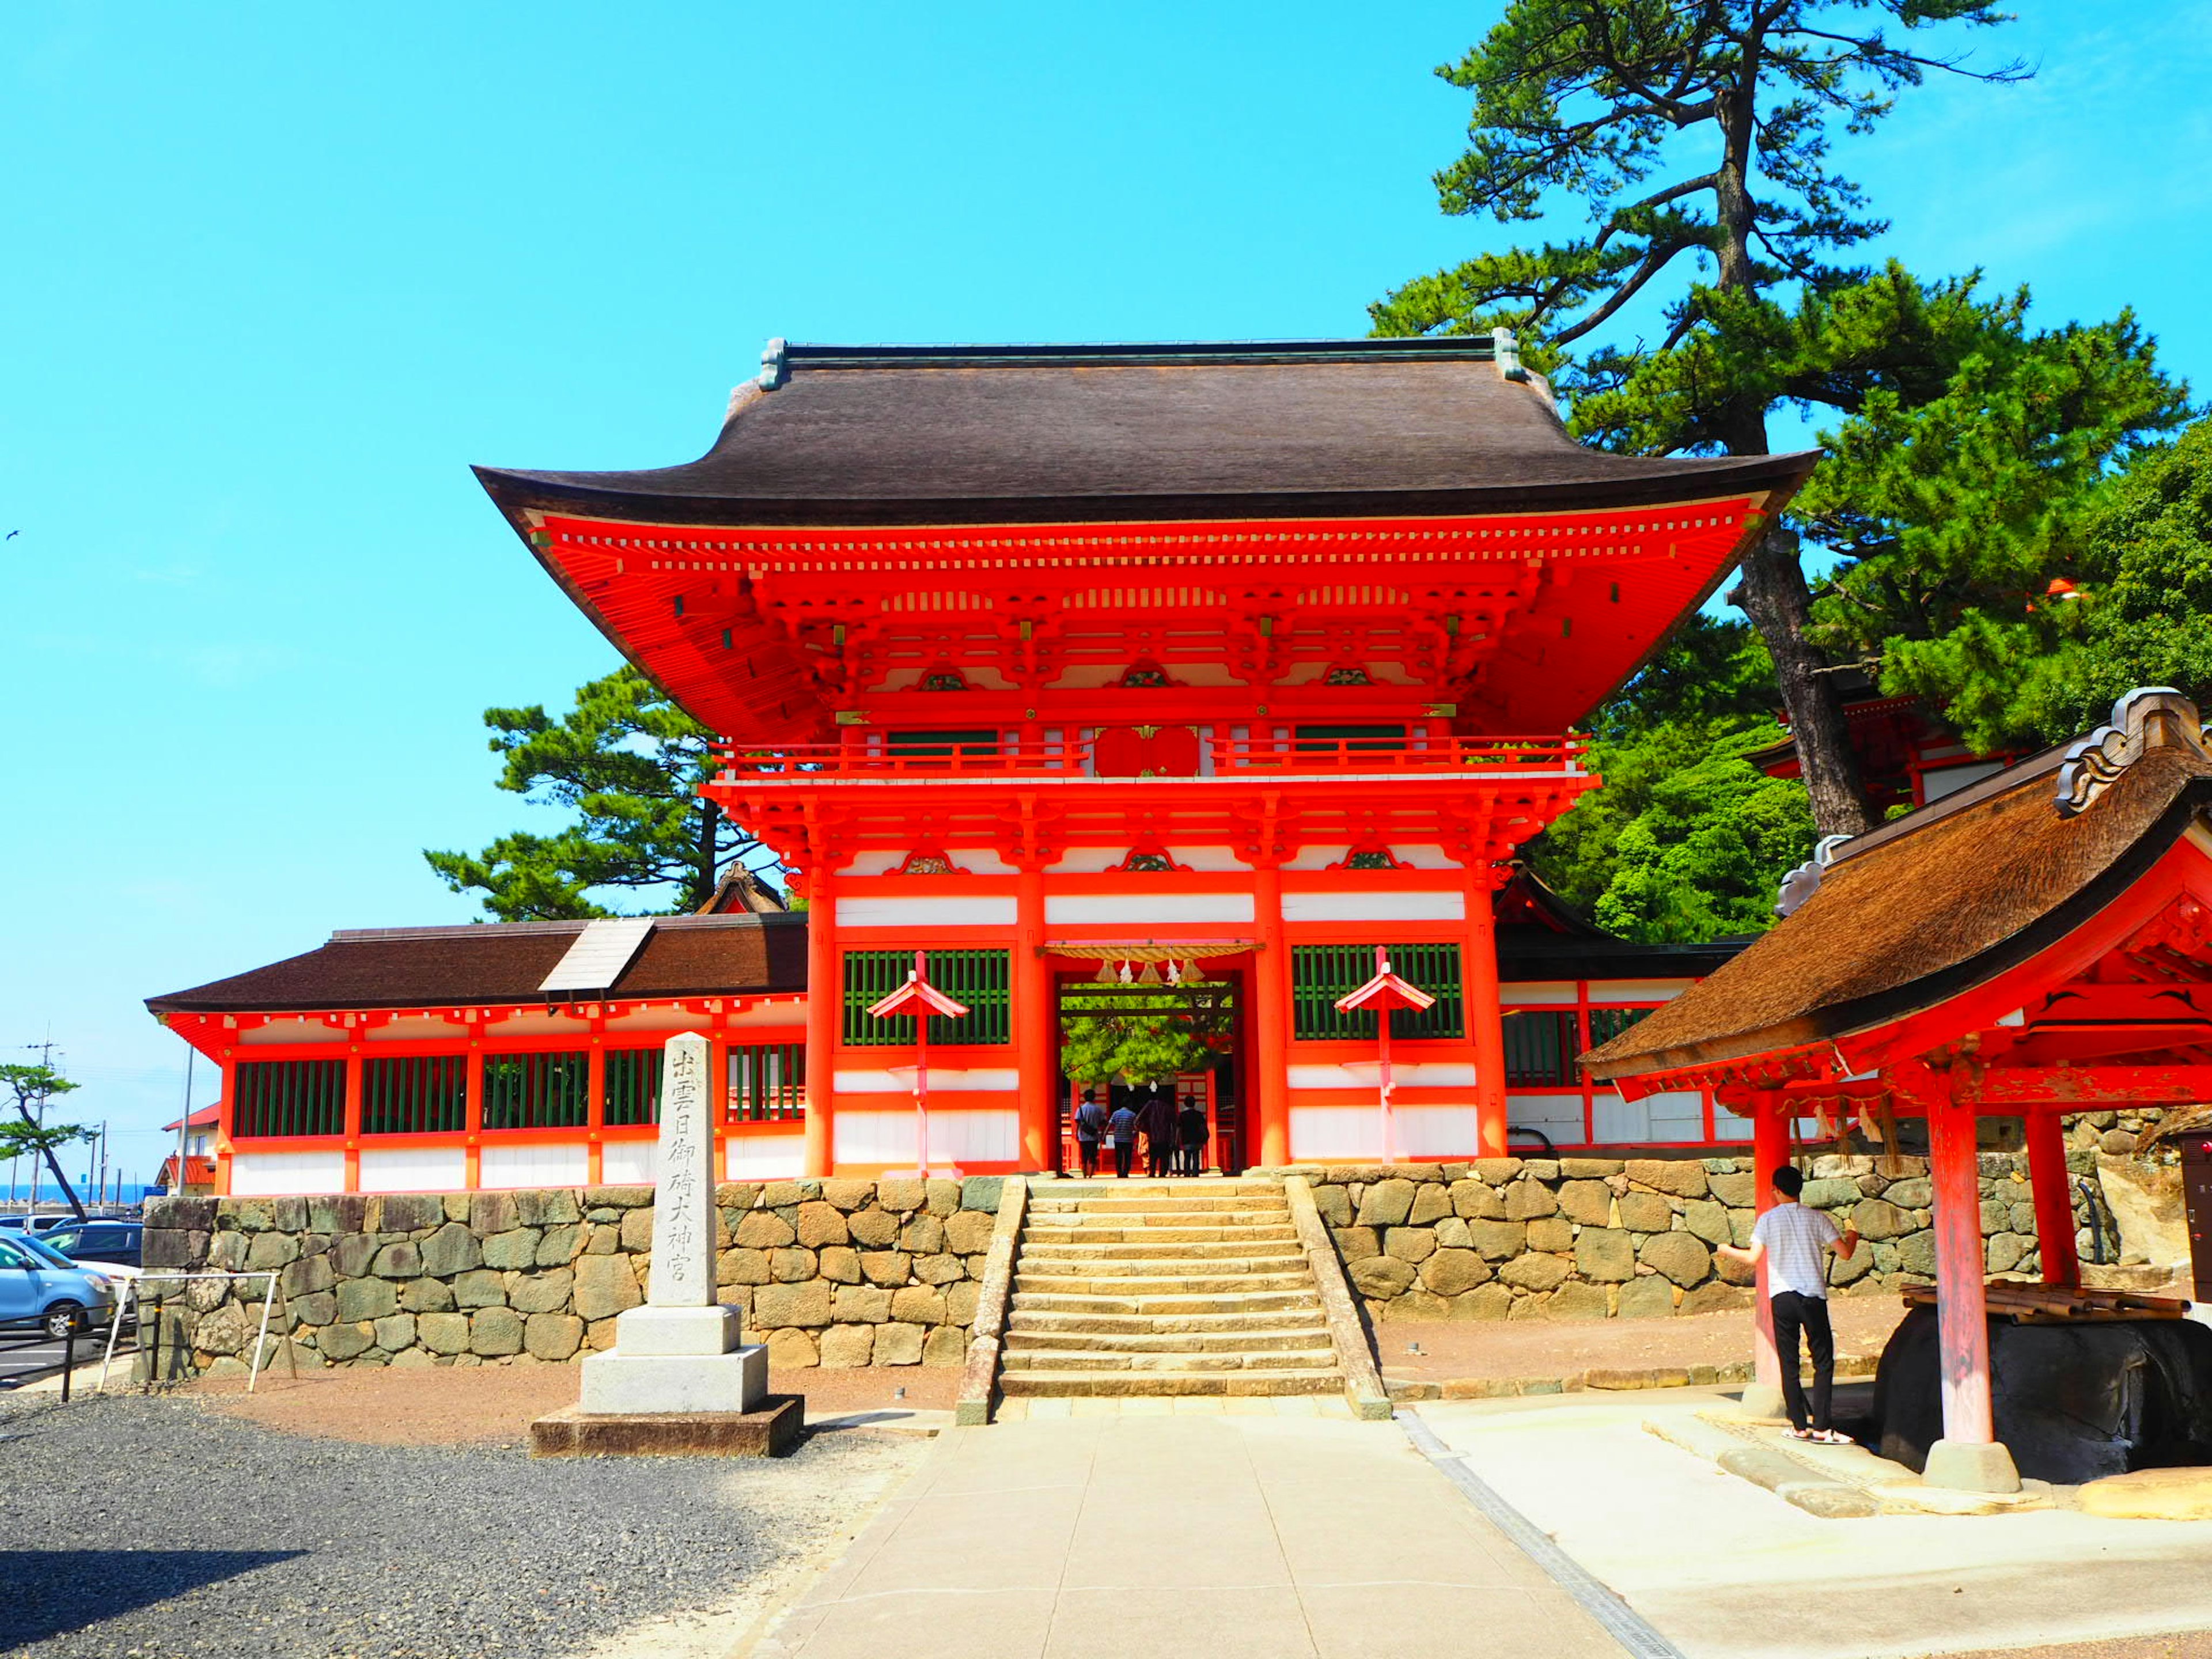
point(1191, 1125)
point(1795, 1242)
point(1089, 1126)
point(1157, 1120)
point(1122, 1130)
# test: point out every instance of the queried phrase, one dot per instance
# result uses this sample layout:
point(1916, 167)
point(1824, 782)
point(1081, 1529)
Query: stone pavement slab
point(1726, 1570)
point(1141, 1533)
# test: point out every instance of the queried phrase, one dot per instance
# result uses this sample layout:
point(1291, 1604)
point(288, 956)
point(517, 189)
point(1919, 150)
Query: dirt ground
point(1540, 1347)
point(2185, 1644)
point(496, 1403)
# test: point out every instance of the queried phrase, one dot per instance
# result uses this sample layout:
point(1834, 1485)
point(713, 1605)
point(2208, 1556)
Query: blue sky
point(278, 273)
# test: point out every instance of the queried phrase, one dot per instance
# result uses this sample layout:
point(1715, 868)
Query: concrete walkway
point(1222, 1533)
point(1726, 1570)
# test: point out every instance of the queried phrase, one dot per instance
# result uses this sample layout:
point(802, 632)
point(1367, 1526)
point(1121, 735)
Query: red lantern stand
point(1385, 993)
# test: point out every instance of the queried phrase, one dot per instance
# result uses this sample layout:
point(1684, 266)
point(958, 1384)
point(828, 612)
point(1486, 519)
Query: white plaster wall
point(975, 910)
point(267, 1175)
point(763, 1157)
point(1374, 907)
point(985, 1137)
point(1421, 1074)
point(1354, 1133)
point(554, 1164)
point(1559, 1116)
point(1137, 909)
point(983, 1080)
point(1637, 990)
point(629, 1163)
point(1517, 991)
point(414, 1170)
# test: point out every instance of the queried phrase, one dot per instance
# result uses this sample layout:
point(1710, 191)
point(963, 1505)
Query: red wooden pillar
point(595, 1111)
point(1271, 1016)
point(472, 1119)
point(1034, 1064)
point(2054, 1199)
point(825, 1006)
point(225, 1126)
point(1769, 1150)
point(1485, 1025)
point(718, 1096)
point(1967, 1457)
point(353, 1119)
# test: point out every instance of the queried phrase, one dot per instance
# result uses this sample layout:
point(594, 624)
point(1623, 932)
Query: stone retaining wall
point(1598, 1237)
point(831, 1272)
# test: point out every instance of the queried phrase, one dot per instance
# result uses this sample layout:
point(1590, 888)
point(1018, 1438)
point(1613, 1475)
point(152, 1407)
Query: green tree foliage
point(1694, 137)
point(629, 763)
point(30, 1087)
point(1688, 840)
point(1140, 1038)
point(1957, 510)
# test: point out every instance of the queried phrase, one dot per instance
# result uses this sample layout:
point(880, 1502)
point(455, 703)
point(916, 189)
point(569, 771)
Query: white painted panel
point(1136, 909)
point(557, 1163)
point(1559, 1116)
point(1612, 1119)
point(996, 1080)
point(1336, 1135)
point(1515, 992)
point(1374, 907)
point(773, 1010)
point(1677, 1115)
point(1936, 783)
point(974, 910)
point(873, 863)
point(629, 1163)
point(986, 1137)
point(1421, 1074)
point(264, 1175)
point(414, 1170)
point(1435, 1131)
point(1637, 990)
point(1423, 855)
point(763, 1157)
point(289, 1031)
point(1096, 860)
point(1208, 858)
point(980, 861)
point(1318, 858)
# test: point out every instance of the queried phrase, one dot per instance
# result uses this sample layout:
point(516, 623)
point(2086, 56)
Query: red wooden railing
point(1230, 756)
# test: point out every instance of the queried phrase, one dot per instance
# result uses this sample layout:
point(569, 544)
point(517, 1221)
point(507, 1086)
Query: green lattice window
point(768, 1081)
point(1607, 1024)
point(1540, 1048)
point(537, 1091)
point(1320, 974)
point(633, 1086)
point(283, 1098)
point(420, 1094)
point(978, 978)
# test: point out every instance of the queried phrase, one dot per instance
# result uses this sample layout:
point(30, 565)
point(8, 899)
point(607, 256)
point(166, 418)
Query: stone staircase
point(1155, 1287)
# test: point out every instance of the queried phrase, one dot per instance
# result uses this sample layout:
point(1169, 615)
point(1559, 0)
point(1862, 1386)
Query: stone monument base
point(769, 1429)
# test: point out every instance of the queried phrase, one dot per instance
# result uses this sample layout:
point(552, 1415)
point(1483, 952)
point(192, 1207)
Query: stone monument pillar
point(680, 1352)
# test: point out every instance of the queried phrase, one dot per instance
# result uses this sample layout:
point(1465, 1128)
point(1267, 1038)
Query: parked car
point(105, 1243)
point(37, 1223)
point(63, 1297)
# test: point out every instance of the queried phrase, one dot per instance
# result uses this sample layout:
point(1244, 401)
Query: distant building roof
point(1541, 937)
point(1040, 434)
point(206, 1118)
point(737, 953)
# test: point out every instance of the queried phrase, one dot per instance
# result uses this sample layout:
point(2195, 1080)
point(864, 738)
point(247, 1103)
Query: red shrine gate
point(1026, 657)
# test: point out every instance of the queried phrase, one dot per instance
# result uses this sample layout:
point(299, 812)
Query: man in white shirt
point(1794, 1242)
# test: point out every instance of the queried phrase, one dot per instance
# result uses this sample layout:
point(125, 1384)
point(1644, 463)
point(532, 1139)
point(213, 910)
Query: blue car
point(42, 1284)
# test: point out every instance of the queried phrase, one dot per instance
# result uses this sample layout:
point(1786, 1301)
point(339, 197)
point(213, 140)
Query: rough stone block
point(791, 1266)
point(271, 1250)
point(542, 1292)
point(890, 1267)
point(367, 1299)
point(1380, 1277)
point(938, 1269)
point(1386, 1203)
point(1432, 1203)
point(1590, 1168)
point(1605, 1255)
point(764, 1230)
point(821, 1223)
point(1529, 1199)
point(918, 1304)
point(1848, 1270)
point(1335, 1205)
point(848, 1348)
point(1533, 1273)
point(1499, 1240)
point(350, 1254)
point(1645, 1213)
point(1915, 1192)
point(1357, 1243)
point(1682, 1177)
point(395, 1332)
point(1679, 1256)
point(923, 1236)
point(1497, 1171)
point(2006, 1251)
point(943, 1197)
point(790, 1349)
point(960, 1301)
point(1588, 1203)
point(1576, 1300)
point(839, 1263)
point(1915, 1254)
point(969, 1233)
point(1450, 1272)
point(777, 1305)
point(860, 1304)
point(945, 1347)
point(1418, 1306)
point(407, 1212)
point(558, 1245)
point(305, 1276)
point(1704, 1220)
point(873, 1227)
point(451, 1249)
point(317, 1308)
point(980, 1194)
point(1650, 1297)
point(605, 1285)
point(1414, 1244)
point(517, 1247)
point(1714, 1296)
point(1477, 1200)
point(1485, 1302)
point(1553, 1232)
point(901, 1197)
point(442, 1333)
point(339, 1343)
point(898, 1344)
point(743, 1266)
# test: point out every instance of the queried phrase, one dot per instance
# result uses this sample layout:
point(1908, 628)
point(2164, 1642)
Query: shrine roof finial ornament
point(2149, 717)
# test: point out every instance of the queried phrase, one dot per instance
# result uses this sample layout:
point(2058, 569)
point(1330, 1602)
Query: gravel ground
point(144, 1528)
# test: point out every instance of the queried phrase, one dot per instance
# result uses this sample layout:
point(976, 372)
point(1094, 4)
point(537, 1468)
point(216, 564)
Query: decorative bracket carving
point(2148, 717)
